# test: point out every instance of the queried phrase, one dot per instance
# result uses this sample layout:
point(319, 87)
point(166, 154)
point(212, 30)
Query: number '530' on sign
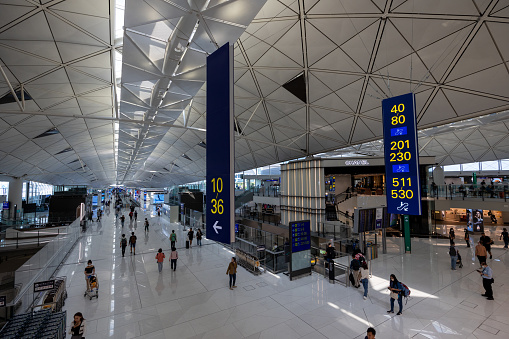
point(401, 155)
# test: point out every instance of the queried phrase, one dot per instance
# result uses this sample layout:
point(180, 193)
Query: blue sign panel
point(219, 143)
point(401, 155)
point(301, 235)
point(5, 205)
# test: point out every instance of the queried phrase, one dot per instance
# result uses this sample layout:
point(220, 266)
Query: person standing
point(190, 236)
point(160, 259)
point(395, 287)
point(480, 252)
point(505, 236)
point(487, 242)
point(122, 220)
point(77, 330)
point(364, 272)
point(132, 243)
point(487, 280)
point(146, 225)
point(199, 234)
point(173, 238)
point(173, 258)
point(453, 253)
point(467, 237)
point(330, 253)
point(370, 334)
point(355, 266)
point(232, 272)
point(123, 244)
point(131, 214)
point(135, 216)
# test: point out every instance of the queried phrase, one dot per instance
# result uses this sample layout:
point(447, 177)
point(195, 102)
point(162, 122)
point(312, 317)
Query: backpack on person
point(452, 251)
point(123, 242)
point(405, 291)
point(132, 240)
point(173, 237)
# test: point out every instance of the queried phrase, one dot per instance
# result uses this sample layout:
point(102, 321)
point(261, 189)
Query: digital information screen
point(220, 146)
point(401, 155)
point(44, 285)
point(301, 235)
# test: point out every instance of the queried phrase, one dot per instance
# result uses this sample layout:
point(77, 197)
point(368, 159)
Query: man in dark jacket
point(355, 266)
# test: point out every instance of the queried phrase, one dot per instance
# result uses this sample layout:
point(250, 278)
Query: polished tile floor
point(135, 301)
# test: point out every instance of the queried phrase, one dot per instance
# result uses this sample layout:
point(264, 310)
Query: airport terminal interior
point(279, 168)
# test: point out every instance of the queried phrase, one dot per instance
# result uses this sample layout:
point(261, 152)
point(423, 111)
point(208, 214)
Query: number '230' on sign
point(401, 155)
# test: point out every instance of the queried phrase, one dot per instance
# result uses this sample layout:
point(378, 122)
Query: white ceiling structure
point(353, 53)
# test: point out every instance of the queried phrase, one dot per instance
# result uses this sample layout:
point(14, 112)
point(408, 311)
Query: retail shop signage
point(356, 163)
point(220, 146)
point(301, 235)
point(44, 285)
point(401, 155)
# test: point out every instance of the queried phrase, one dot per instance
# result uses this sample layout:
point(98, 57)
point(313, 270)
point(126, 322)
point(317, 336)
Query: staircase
point(243, 199)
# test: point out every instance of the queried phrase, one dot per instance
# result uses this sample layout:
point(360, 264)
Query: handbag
point(394, 295)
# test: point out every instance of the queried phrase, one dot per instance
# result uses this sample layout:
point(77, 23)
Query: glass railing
point(266, 191)
point(464, 192)
point(43, 265)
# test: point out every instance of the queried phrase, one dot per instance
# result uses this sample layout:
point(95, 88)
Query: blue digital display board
point(220, 146)
point(401, 155)
point(301, 235)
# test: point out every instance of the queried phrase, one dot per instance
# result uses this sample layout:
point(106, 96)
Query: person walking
point(132, 243)
point(173, 258)
point(395, 287)
point(190, 236)
point(123, 244)
point(131, 214)
point(452, 236)
point(487, 242)
point(135, 216)
point(453, 253)
point(364, 272)
point(77, 330)
point(505, 236)
point(487, 280)
point(89, 272)
point(480, 252)
point(199, 235)
point(232, 272)
point(146, 225)
point(467, 237)
point(370, 334)
point(160, 259)
point(173, 238)
point(355, 266)
point(122, 220)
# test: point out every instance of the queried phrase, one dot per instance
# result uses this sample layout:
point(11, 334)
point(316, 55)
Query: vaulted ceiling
point(351, 53)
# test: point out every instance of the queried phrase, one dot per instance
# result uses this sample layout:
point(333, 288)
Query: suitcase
point(187, 243)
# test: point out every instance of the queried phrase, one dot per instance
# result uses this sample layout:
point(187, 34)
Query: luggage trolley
point(93, 287)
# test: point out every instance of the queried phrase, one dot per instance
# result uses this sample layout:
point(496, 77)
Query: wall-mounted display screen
point(475, 220)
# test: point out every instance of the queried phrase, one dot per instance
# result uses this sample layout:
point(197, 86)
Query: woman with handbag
point(396, 288)
point(77, 330)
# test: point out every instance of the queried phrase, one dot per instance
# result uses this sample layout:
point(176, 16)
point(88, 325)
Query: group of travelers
point(482, 249)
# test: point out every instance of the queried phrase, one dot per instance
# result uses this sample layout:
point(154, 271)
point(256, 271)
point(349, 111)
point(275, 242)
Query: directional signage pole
point(401, 159)
point(220, 146)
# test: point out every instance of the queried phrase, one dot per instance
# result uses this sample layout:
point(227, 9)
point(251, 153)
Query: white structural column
point(303, 192)
point(15, 196)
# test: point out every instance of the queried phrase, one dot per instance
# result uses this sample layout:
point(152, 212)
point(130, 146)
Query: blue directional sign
point(401, 155)
point(220, 146)
point(301, 235)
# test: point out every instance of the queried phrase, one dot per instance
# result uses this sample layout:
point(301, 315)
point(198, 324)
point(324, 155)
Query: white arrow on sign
point(217, 227)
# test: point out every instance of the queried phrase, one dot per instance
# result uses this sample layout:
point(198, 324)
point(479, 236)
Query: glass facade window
point(489, 165)
point(472, 166)
point(451, 168)
point(504, 165)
